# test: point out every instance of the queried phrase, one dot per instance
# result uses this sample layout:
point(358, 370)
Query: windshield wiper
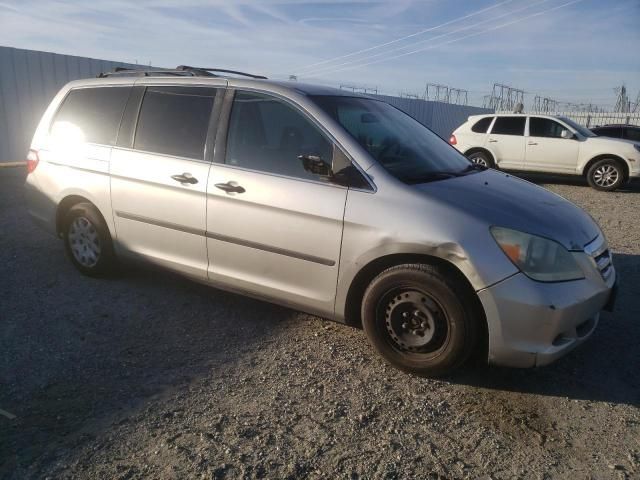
point(430, 177)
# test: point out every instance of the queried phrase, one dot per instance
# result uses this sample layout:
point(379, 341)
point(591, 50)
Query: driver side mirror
point(316, 165)
point(567, 134)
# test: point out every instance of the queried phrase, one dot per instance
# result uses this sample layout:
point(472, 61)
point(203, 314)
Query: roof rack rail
point(218, 70)
point(135, 72)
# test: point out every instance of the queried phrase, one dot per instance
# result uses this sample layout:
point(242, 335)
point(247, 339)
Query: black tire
point(606, 175)
point(482, 158)
point(87, 241)
point(443, 303)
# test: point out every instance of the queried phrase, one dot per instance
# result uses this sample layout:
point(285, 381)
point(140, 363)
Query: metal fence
point(442, 118)
point(28, 82)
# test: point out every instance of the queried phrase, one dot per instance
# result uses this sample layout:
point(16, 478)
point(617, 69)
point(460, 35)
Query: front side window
point(631, 133)
point(403, 146)
point(268, 135)
point(545, 127)
point(508, 126)
point(175, 121)
point(90, 115)
point(578, 128)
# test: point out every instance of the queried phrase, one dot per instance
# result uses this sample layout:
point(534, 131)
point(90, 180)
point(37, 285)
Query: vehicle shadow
point(605, 368)
point(632, 186)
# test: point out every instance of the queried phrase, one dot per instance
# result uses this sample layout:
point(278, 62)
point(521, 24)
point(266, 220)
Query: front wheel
point(605, 175)
point(420, 320)
point(87, 241)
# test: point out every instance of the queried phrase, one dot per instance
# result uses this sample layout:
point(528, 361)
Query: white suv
point(545, 143)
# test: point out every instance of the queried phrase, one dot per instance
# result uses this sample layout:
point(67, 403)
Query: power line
point(328, 68)
point(422, 32)
point(526, 17)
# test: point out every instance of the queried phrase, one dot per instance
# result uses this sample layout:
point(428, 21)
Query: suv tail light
point(453, 140)
point(32, 160)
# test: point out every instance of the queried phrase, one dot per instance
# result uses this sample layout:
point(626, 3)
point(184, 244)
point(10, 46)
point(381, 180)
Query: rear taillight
point(453, 140)
point(32, 160)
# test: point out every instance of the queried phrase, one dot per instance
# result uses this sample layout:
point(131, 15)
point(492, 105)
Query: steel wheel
point(414, 321)
point(479, 161)
point(606, 176)
point(84, 242)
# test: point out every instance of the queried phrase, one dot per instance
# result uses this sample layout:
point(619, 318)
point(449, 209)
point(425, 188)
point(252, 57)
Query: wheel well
point(479, 149)
point(618, 159)
point(65, 205)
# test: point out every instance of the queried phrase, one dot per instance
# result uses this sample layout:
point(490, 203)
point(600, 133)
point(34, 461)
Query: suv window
point(614, 132)
point(508, 126)
point(175, 121)
point(545, 127)
point(91, 114)
point(482, 125)
point(268, 135)
point(632, 133)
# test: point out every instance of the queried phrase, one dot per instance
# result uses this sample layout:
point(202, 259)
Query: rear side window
point(632, 134)
point(545, 127)
point(482, 125)
point(508, 126)
point(175, 121)
point(91, 115)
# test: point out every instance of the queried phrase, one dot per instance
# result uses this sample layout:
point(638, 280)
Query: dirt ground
point(152, 376)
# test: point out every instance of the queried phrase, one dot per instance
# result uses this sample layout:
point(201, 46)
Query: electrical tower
point(623, 105)
point(436, 92)
point(544, 104)
point(505, 98)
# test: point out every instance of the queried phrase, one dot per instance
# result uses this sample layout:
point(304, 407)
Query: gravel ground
point(153, 376)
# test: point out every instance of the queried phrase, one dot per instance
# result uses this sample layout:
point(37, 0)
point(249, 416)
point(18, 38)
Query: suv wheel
point(605, 175)
point(481, 158)
point(419, 320)
point(87, 241)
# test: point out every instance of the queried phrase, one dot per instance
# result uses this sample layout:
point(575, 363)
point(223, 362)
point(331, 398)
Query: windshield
point(403, 146)
point(579, 128)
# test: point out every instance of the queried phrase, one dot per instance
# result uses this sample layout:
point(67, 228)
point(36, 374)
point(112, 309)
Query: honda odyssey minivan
point(326, 201)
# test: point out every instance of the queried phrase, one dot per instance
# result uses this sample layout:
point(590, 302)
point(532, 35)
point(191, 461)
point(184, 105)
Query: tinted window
point(614, 132)
point(175, 120)
point(269, 135)
point(545, 127)
point(508, 126)
point(403, 146)
point(91, 115)
point(482, 125)
point(632, 134)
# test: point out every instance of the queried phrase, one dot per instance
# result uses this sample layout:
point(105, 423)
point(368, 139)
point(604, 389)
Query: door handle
point(185, 178)
point(532, 143)
point(491, 140)
point(230, 188)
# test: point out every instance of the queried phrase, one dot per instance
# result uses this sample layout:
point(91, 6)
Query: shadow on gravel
point(77, 353)
point(545, 178)
point(605, 368)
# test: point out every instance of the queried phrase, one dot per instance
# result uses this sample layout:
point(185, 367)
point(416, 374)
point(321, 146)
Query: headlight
point(537, 257)
point(636, 146)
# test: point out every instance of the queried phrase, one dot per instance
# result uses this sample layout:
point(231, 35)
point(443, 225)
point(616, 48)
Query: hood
point(605, 142)
point(503, 200)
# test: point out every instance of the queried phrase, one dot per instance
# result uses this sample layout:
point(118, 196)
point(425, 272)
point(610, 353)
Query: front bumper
point(533, 324)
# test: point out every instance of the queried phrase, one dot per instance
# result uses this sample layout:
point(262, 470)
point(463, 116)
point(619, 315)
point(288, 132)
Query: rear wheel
point(87, 241)
point(420, 320)
point(482, 158)
point(606, 175)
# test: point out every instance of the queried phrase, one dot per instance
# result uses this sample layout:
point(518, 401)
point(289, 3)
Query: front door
point(158, 187)
point(506, 141)
point(274, 229)
point(547, 151)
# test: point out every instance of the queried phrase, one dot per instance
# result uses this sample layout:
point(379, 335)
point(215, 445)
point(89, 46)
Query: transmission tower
point(436, 92)
point(544, 104)
point(622, 102)
point(505, 98)
point(458, 96)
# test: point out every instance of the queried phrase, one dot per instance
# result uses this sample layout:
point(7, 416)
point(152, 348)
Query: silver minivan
point(329, 202)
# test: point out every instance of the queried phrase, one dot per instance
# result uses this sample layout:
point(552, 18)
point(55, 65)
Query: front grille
point(599, 252)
